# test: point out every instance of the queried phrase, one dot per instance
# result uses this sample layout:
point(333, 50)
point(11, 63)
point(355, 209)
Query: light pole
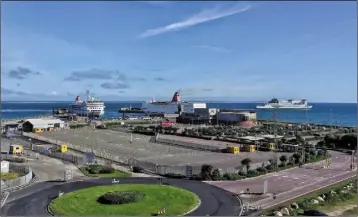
point(275, 138)
point(306, 119)
point(330, 119)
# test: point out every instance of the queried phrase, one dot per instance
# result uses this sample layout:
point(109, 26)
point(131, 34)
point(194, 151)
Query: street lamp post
point(330, 119)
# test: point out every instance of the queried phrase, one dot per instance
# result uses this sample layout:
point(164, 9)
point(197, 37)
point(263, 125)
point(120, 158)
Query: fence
point(188, 144)
point(23, 180)
point(78, 160)
point(185, 170)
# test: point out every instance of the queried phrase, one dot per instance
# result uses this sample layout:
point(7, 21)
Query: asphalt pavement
point(34, 200)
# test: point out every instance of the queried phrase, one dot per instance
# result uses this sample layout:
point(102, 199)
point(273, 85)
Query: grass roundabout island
point(125, 199)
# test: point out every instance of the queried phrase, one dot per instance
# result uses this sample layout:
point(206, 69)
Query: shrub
point(242, 174)
point(95, 169)
point(216, 175)
point(269, 167)
point(232, 176)
point(251, 173)
point(206, 170)
point(121, 197)
point(137, 169)
point(196, 177)
point(107, 170)
point(262, 170)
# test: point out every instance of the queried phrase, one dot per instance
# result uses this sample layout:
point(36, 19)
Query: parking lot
point(44, 167)
point(118, 143)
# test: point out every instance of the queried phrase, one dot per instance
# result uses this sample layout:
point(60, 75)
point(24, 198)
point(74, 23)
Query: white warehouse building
point(30, 124)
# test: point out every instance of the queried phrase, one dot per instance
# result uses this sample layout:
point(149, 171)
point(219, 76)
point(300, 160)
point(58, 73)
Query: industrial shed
point(31, 124)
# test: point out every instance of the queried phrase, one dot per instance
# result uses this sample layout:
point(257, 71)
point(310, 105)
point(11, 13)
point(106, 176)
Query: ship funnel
point(78, 99)
point(176, 97)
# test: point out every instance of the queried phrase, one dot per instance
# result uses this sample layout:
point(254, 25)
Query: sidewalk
point(297, 192)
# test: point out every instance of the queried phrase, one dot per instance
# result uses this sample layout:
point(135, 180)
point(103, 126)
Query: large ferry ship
point(93, 107)
point(285, 104)
point(175, 106)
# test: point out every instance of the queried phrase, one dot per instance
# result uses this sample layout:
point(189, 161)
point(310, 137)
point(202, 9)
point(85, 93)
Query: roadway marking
point(4, 198)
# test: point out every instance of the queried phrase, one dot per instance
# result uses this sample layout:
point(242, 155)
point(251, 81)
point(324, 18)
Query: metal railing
point(20, 181)
point(189, 145)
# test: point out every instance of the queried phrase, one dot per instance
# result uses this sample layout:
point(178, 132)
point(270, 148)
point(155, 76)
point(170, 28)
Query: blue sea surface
point(344, 114)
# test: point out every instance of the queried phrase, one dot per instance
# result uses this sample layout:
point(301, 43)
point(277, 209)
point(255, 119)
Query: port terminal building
point(41, 125)
point(242, 118)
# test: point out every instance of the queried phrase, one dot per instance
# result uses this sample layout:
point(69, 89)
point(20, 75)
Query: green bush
point(232, 176)
point(94, 169)
point(97, 169)
point(107, 170)
point(262, 170)
point(269, 167)
point(215, 176)
point(242, 174)
point(251, 173)
point(121, 197)
point(206, 171)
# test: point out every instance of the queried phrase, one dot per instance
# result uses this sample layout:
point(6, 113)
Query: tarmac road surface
point(290, 179)
point(288, 195)
point(34, 200)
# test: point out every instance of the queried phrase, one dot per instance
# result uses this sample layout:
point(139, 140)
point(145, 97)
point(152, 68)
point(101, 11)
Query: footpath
point(297, 192)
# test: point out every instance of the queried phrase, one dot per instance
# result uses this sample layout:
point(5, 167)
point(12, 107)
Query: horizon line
point(139, 101)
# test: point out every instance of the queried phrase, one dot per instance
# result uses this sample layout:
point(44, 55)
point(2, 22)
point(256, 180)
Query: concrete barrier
point(20, 181)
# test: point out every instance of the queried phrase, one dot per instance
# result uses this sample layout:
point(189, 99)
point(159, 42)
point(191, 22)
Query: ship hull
point(283, 108)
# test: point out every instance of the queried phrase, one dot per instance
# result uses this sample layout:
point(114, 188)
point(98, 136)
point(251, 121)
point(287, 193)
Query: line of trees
point(348, 141)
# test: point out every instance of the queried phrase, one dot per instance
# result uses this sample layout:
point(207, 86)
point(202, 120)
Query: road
point(293, 182)
point(33, 201)
point(302, 190)
point(44, 167)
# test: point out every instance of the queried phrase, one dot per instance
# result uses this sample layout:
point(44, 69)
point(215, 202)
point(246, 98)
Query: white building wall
point(5, 166)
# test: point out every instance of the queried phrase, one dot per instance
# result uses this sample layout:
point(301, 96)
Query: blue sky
point(239, 51)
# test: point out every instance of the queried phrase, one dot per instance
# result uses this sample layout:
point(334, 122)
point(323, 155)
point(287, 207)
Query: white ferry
point(92, 106)
point(285, 104)
point(175, 106)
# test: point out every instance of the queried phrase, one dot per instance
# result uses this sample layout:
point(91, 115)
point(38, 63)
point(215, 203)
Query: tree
point(299, 139)
point(206, 170)
point(216, 175)
point(246, 163)
point(297, 157)
point(283, 159)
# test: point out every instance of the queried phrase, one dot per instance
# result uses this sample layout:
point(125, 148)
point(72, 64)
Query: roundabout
point(125, 199)
point(132, 197)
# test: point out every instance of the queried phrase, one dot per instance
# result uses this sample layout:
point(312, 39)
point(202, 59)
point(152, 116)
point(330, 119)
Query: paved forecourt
point(118, 143)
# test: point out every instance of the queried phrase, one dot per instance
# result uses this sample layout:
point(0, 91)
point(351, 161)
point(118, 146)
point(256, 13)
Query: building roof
point(252, 138)
point(44, 123)
point(271, 136)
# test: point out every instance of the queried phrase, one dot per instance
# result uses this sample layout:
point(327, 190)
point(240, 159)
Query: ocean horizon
point(343, 114)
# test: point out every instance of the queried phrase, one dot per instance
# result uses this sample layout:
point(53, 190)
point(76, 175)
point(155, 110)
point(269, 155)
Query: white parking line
point(4, 198)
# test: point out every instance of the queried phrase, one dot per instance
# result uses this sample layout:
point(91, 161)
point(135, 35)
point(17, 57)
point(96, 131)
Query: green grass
point(309, 196)
point(351, 212)
point(84, 202)
point(10, 176)
point(115, 174)
point(333, 206)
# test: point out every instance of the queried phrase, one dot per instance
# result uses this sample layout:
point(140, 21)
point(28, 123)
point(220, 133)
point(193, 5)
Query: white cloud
point(199, 18)
point(214, 48)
